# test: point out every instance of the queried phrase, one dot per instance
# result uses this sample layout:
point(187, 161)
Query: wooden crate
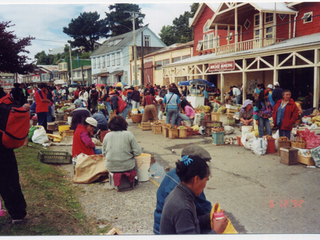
point(183, 133)
point(136, 118)
point(307, 160)
point(145, 126)
point(51, 126)
point(210, 124)
point(289, 156)
point(283, 144)
point(173, 133)
point(165, 131)
point(215, 116)
point(156, 129)
point(67, 133)
point(231, 111)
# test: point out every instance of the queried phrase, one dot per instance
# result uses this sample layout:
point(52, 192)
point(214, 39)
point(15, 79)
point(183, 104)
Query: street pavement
point(258, 193)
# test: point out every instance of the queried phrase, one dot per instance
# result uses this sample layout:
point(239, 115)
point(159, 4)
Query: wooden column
point(316, 80)
point(236, 28)
point(260, 29)
point(222, 87)
point(275, 70)
point(244, 80)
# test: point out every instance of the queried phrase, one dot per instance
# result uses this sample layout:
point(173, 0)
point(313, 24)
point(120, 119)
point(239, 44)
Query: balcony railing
point(245, 45)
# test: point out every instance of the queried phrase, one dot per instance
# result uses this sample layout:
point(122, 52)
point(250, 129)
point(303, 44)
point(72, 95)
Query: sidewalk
point(259, 194)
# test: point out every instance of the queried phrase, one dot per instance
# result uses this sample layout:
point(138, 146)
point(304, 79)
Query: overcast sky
point(46, 21)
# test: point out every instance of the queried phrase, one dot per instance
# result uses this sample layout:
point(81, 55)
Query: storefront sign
point(221, 66)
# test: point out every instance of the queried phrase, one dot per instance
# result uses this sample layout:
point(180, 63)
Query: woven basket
point(136, 118)
point(299, 144)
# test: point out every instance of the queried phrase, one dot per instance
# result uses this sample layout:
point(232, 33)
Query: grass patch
point(53, 207)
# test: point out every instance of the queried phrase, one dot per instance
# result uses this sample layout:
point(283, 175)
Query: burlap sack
point(90, 168)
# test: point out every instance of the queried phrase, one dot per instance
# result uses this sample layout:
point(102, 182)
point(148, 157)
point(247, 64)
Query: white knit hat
point(92, 121)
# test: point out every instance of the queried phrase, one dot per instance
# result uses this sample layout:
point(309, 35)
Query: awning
point(117, 73)
point(103, 74)
point(58, 82)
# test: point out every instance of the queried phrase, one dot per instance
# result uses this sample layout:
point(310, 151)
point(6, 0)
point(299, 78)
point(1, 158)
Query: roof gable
point(200, 10)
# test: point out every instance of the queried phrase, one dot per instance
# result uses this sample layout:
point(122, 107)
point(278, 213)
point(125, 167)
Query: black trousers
point(10, 189)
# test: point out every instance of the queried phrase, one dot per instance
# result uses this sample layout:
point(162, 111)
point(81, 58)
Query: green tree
point(42, 58)
point(167, 35)
point(86, 30)
point(118, 14)
point(12, 50)
point(179, 32)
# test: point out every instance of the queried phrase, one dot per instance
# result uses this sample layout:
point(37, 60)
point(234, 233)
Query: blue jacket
point(167, 185)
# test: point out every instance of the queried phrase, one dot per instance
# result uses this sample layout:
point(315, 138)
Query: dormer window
point(247, 24)
point(256, 20)
point(199, 46)
point(307, 17)
point(269, 18)
point(206, 26)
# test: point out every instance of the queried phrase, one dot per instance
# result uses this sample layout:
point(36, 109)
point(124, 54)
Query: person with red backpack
point(119, 106)
point(14, 129)
point(42, 104)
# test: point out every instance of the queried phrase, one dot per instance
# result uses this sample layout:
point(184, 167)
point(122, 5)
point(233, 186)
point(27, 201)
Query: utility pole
point(71, 64)
point(142, 63)
point(134, 15)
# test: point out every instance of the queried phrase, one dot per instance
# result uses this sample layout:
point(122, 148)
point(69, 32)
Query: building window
point(158, 65)
point(108, 60)
point(282, 16)
point(185, 57)
point(85, 74)
point(103, 62)
point(269, 18)
point(94, 63)
point(205, 42)
point(125, 76)
point(210, 40)
point(206, 26)
point(65, 66)
point(98, 62)
point(256, 19)
point(268, 32)
point(199, 46)
point(176, 59)
point(247, 24)
point(166, 61)
point(133, 70)
point(113, 60)
point(60, 66)
point(147, 41)
point(78, 73)
point(256, 34)
point(218, 41)
point(307, 17)
point(230, 37)
point(118, 58)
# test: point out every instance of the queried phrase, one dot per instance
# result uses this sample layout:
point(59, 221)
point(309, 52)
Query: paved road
point(259, 194)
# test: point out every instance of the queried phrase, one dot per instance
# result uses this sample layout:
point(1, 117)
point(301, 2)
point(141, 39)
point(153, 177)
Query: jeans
point(42, 119)
point(135, 104)
point(173, 114)
point(97, 151)
point(264, 122)
point(284, 133)
point(238, 99)
point(181, 117)
point(124, 113)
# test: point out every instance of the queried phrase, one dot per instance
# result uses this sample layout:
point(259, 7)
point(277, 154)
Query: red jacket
point(290, 114)
point(78, 146)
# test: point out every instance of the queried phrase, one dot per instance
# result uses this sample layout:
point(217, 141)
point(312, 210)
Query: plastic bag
point(315, 153)
point(247, 140)
point(230, 228)
point(40, 135)
point(259, 146)
point(276, 137)
point(31, 131)
point(160, 115)
point(312, 139)
point(228, 130)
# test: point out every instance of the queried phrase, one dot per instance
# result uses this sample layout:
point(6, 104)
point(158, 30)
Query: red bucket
point(271, 146)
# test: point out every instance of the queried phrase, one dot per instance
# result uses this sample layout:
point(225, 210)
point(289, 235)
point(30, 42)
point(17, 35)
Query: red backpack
point(121, 105)
point(14, 123)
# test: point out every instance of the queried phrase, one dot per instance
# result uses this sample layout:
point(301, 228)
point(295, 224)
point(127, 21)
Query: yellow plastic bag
point(230, 228)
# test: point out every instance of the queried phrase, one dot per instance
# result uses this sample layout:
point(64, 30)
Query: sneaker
point(16, 221)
